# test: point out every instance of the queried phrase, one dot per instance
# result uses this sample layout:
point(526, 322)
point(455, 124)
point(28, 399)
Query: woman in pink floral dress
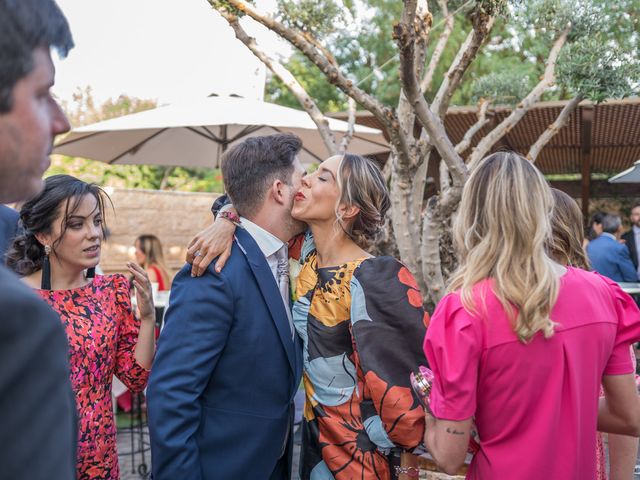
point(63, 232)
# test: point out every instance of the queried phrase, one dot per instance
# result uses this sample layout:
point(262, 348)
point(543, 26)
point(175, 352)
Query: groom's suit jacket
point(221, 390)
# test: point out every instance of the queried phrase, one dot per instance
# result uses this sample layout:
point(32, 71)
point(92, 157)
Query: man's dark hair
point(24, 26)
point(250, 168)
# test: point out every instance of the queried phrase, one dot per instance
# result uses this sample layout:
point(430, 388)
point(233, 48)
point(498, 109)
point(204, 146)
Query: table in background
point(632, 288)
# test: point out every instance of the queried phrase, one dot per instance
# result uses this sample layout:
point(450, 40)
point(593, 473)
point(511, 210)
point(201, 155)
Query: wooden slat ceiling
point(615, 136)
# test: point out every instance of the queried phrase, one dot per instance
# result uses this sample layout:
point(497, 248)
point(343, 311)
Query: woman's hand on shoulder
point(144, 294)
point(214, 241)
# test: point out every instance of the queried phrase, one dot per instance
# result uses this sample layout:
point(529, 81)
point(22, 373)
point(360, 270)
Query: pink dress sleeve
point(127, 369)
point(620, 362)
point(453, 346)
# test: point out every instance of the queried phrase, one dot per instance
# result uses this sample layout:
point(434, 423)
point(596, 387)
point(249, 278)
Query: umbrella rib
point(370, 141)
point(305, 149)
point(69, 142)
point(213, 138)
point(213, 135)
point(136, 146)
point(245, 131)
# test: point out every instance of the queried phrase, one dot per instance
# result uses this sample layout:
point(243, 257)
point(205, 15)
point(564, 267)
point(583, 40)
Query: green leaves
point(317, 18)
point(506, 87)
point(598, 70)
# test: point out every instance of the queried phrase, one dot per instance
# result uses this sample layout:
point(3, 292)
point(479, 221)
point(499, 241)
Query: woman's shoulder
point(581, 281)
point(382, 268)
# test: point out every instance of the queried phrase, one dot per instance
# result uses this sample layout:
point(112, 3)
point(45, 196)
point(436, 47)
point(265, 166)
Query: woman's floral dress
point(362, 325)
point(102, 334)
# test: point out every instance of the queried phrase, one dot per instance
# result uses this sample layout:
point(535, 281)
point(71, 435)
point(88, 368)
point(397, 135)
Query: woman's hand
point(214, 241)
point(144, 295)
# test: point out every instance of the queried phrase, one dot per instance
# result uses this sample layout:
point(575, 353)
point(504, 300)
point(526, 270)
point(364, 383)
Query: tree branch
point(425, 84)
point(351, 121)
point(555, 127)
point(430, 251)
point(445, 181)
point(423, 22)
point(385, 115)
point(475, 128)
point(523, 107)
point(482, 25)
point(288, 79)
point(404, 35)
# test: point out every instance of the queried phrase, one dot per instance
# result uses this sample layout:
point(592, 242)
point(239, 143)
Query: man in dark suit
point(37, 407)
point(8, 229)
point(632, 237)
point(228, 365)
point(609, 257)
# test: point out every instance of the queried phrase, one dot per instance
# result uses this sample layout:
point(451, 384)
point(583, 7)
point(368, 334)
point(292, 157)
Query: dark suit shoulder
point(19, 305)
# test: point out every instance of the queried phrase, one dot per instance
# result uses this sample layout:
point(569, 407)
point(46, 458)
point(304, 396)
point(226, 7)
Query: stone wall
point(174, 217)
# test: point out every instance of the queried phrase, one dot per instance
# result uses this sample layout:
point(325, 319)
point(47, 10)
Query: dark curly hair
point(61, 196)
point(362, 185)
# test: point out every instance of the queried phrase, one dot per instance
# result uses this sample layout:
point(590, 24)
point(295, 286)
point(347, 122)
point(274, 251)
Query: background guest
point(37, 409)
point(63, 233)
point(608, 256)
point(594, 229)
point(150, 257)
point(632, 237)
point(8, 228)
point(567, 233)
point(522, 343)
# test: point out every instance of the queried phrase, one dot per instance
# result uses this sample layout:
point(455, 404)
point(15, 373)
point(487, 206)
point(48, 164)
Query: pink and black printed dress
point(102, 333)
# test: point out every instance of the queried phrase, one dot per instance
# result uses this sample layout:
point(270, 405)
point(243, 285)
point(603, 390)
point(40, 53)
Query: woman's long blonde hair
point(502, 232)
point(152, 248)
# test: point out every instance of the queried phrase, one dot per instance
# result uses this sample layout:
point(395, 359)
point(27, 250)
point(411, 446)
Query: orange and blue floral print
point(362, 330)
point(102, 334)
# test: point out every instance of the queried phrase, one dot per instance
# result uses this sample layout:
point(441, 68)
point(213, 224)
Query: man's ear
point(278, 191)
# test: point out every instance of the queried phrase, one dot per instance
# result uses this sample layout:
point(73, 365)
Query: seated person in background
point(149, 256)
point(608, 256)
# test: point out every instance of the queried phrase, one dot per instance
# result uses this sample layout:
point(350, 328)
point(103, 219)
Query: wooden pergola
point(602, 138)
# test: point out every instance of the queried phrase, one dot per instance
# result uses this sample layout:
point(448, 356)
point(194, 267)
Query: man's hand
point(214, 241)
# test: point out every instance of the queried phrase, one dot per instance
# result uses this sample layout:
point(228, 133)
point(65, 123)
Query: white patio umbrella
point(630, 175)
point(195, 134)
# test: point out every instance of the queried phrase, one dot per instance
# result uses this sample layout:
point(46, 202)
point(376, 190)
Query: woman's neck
point(333, 246)
point(64, 277)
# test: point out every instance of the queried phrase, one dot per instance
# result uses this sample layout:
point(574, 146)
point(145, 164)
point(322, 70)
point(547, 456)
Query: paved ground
point(136, 467)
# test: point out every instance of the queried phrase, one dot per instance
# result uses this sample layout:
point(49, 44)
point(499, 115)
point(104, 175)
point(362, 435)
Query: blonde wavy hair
point(502, 232)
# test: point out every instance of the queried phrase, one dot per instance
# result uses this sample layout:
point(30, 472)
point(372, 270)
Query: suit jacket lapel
point(270, 292)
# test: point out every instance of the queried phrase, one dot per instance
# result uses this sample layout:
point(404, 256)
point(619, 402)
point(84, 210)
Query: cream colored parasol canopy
point(195, 134)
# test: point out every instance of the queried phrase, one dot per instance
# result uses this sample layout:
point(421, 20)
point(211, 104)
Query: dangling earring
point(91, 272)
point(45, 284)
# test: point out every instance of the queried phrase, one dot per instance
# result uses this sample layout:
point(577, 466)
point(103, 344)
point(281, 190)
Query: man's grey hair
point(611, 223)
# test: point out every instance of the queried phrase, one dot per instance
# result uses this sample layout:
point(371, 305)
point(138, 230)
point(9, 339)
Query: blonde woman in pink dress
point(521, 343)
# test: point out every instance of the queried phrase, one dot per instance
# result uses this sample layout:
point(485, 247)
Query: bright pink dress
point(535, 405)
point(102, 333)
